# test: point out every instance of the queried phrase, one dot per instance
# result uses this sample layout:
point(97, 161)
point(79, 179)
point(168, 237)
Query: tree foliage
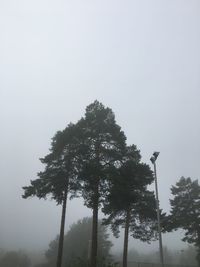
point(82, 157)
point(185, 211)
point(91, 157)
point(101, 145)
point(60, 170)
point(77, 244)
point(59, 177)
point(100, 148)
point(129, 203)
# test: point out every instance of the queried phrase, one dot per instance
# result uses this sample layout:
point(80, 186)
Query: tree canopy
point(91, 158)
point(60, 170)
point(59, 177)
point(77, 243)
point(185, 211)
point(82, 158)
point(129, 203)
point(101, 144)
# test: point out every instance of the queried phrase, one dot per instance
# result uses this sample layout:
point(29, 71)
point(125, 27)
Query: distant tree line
point(91, 159)
point(14, 259)
point(182, 257)
point(77, 245)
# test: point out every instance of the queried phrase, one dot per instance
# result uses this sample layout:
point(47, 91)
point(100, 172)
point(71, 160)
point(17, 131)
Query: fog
point(140, 58)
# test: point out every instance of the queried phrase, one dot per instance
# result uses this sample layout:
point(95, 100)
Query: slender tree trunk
point(62, 229)
point(198, 256)
point(93, 259)
point(198, 249)
point(126, 232)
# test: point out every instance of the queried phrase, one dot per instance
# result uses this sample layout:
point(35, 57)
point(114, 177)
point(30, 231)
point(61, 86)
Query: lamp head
point(156, 154)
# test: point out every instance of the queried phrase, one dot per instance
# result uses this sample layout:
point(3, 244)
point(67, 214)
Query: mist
point(140, 58)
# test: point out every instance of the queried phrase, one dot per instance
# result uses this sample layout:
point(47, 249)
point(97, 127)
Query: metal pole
point(158, 216)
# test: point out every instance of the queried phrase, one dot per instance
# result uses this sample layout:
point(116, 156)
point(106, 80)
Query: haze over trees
point(14, 259)
point(185, 211)
point(180, 257)
point(90, 159)
point(77, 245)
point(87, 157)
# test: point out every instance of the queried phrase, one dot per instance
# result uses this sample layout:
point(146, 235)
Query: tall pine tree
point(130, 204)
point(59, 177)
point(101, 147)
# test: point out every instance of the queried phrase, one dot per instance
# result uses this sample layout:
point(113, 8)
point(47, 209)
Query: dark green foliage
point(82, 158)
point(60, 169)
point(59, 177)
point(100, 148)
point(129, 192)
point(185, 211)
point(76, 245)
point(15, 259)
point(129, 204)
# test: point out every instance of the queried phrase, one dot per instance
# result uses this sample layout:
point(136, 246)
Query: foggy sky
point(140, 58)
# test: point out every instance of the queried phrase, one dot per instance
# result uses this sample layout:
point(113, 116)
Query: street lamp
point(153, 160)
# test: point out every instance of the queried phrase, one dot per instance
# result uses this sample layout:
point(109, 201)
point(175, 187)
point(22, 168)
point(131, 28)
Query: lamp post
point(153, 160)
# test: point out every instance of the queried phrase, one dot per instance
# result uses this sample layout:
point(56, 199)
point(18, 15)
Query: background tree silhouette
point(185, 211)
point(14, 258)
point(77, 243)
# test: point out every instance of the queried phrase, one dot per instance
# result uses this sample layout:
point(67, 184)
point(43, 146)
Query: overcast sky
point(141, 58)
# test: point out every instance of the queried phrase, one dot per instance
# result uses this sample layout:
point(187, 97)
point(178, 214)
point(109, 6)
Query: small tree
point(59, 176)
point(129, 203)
point(185, 211)
point(77, 244)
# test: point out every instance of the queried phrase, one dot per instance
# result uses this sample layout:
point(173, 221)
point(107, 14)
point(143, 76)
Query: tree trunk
point(198, 256)
point(126, 232)
point(62, 228)
point(198, 249)
point(93, 259)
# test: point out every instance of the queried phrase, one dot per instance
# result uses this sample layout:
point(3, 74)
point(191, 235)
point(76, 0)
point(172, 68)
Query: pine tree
point(130, 204)
point(100, 150)
point(59, 177)
point(185, 211)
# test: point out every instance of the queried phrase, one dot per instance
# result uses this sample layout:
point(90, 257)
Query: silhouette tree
point(100, 149)
point(59, 176)
point(185, 211)
point(83, 157)
point(129, 203)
